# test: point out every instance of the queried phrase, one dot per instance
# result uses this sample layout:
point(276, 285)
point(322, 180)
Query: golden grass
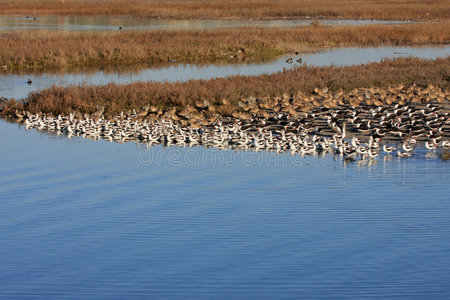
point(116, 98)
point(51, 50)
point(359, 9)
point(47, 50)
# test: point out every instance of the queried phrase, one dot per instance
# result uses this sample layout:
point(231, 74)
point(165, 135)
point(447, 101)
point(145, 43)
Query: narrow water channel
point(106, 23)
point(15, 85)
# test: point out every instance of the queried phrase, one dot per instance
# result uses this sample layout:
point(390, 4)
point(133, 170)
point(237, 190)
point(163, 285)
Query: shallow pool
point(106, 23)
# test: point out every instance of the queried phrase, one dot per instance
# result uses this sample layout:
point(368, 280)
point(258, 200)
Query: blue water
point(82, 219)
point(15, 85)
point(107, 23)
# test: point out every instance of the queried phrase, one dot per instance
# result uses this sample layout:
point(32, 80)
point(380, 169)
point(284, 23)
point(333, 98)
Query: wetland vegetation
point(358, 9)
point(266, 218)
point(48, 50)
point(55, 50)
point(116, 98)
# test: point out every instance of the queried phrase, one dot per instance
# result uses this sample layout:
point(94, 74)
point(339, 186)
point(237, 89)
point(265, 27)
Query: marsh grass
point(359, 9)
point(45, 50)
point(116, 98)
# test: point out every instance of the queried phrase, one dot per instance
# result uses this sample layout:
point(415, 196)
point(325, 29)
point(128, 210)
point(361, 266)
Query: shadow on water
point(15, 85)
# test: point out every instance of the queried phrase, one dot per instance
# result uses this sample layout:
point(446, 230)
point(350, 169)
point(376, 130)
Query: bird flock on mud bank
point(353, 128)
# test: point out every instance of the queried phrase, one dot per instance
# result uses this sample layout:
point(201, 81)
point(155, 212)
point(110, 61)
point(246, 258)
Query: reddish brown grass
point(116, 98)
point(359, 9)
point(50, 50)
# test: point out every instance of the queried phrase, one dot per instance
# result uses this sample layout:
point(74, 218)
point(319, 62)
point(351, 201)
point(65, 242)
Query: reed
point(359, 9)
point(52, 50)
point(116, 98)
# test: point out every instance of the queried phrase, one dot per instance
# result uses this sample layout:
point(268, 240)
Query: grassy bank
point(116, 98)
point(360, 9)
point(53, 50)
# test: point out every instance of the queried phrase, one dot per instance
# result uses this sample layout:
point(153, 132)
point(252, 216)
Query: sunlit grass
point(358, 9)
point(44, 50)
point(116, 98)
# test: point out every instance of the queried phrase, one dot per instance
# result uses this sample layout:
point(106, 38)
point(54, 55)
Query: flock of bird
point(291, 60)
point(354, 132)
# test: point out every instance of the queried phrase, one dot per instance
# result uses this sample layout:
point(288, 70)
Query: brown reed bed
point(359, 9)
point(117, 98)
point(53, 50)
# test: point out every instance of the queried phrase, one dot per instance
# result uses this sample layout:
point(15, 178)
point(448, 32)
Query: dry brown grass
point(50, 50)
point(47, 50)
point(116, 98)
point(359, 9)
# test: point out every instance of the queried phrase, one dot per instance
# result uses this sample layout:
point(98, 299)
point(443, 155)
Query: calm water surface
point(98, 220)
point(105, 23)
point(15, 86)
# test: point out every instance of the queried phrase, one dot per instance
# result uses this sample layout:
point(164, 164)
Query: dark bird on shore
point(34, 19)
point(379, 132)
point(120, 27)
point(27, 17)
point(299, 60)
point(29, 81)
point(364, 125)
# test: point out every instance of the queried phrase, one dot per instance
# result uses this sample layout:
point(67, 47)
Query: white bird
point(388, 149)
point(407, 147)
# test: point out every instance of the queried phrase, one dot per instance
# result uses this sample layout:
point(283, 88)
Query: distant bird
point(28, 17)
point(373, 153)
point(289, 60)
point(120, 27)
point(407, 147)
point(388, 149)
point(299, 60)
point(355, 142)
point(29, 81)
point(431, 145)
